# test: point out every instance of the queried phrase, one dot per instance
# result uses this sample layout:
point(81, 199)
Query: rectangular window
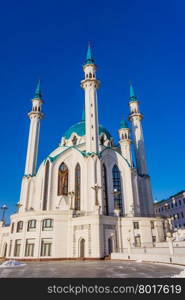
point(180, 202)
point(46, 247)
point(184, 200)
point(154, 239)
point(10, 248)
point(19, 226)
point(182, 214)
point(12, 227)
point(47, 224)
point(136, 225)
point(29, 250)
point(171, 205)
point(31, 225)
point(152, 224)
point(17, 248)
point(137, 241)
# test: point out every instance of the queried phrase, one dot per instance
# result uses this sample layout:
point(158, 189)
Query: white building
point(86, 199)
point(173, 208)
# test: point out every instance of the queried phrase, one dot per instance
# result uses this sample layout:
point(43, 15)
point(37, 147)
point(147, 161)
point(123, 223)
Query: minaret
point(146, 199)
point(90, 84)
point(137, 131)
point(35, 116)
point(125, 141)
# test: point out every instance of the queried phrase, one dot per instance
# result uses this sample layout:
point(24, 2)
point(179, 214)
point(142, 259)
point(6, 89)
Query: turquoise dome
point(79, 129)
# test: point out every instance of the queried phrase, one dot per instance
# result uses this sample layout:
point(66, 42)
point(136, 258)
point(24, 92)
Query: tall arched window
point(105, 192)
point(117, 187)
point(63, 180)
point(77, 186)
point(45, 198)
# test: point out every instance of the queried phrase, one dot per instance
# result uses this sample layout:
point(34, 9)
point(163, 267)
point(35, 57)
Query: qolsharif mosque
point(86, 199)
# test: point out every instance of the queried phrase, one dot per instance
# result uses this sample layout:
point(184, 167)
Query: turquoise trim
point(79, 129)
point(29, 175)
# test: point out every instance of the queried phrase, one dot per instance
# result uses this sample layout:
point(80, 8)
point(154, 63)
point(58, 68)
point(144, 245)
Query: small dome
point(79, 129)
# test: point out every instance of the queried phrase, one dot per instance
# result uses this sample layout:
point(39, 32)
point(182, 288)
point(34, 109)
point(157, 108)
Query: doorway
point(110, 246)
point(82, 248)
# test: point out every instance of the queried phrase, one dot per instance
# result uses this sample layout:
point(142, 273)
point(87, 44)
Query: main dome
point(79, 129)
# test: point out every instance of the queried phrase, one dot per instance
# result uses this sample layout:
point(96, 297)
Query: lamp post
point(4, 208)
point(170, 243)
point(129, 245)
point(71, 194)
point(96, 188)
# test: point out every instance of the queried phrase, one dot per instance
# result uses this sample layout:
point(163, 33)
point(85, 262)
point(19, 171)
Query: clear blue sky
point(142, 41)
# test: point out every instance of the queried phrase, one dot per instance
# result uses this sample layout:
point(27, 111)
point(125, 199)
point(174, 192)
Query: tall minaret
point(90, 84)
point(125, 141)
point(137, 131)
point(146, 199)
point(35, 116)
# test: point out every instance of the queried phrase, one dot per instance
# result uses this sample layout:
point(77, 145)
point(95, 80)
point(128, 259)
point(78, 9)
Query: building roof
point(79, 129)
point(164, 200)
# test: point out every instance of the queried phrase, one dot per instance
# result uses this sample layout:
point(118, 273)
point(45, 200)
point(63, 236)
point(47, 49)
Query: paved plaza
point(91, 269)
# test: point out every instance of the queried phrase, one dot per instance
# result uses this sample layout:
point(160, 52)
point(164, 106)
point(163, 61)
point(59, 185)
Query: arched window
point(105, 192)
point(117, 187)
point(102, 140)
point(74, 140)
point(77, 186)
point(63, 180)
point(90, 75)
point(44, 207)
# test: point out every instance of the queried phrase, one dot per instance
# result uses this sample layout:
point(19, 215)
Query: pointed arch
point(117, 187)
point(105, 191)
point(45, 198)
point(63, 173)
point(77, 186)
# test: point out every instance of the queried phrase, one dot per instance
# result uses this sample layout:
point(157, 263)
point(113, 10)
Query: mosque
point(86, 199)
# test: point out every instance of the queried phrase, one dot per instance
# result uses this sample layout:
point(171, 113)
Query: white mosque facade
point(86, 199)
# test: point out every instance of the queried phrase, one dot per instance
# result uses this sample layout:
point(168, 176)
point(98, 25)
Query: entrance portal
point(110, 246)
point(82, 248)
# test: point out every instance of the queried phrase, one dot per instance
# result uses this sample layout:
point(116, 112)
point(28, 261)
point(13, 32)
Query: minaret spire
point(38, 93)
point(35, 116)
point(89, 58)
point(90, 85)
point(132, 93)
point(138, 138)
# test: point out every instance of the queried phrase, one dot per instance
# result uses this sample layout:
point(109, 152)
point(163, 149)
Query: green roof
point(79, 129)
point(123, 124)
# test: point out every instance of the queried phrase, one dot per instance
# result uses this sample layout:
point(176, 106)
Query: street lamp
point(96, 188)
point(170, 243)
point(4, 208)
